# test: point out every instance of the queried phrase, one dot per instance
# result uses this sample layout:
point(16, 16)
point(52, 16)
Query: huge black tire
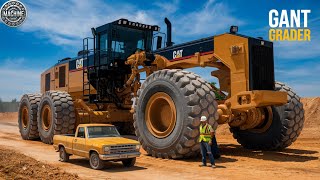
point(192, 96)
point(27, 116)
point(56, 115)
point(286, 126)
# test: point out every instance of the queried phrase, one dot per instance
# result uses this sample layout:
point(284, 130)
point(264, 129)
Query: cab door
point(79, 143)
point(61, 72)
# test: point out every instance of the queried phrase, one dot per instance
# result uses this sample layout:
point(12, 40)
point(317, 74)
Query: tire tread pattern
point(33, 100)
point(64, 114)
point(292, 123)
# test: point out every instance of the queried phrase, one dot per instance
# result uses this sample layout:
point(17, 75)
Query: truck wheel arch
point(92, 151)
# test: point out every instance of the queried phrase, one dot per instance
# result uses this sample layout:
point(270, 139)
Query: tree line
point(9, 106)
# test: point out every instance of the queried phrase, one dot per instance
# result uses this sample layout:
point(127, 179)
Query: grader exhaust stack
point(169, 32)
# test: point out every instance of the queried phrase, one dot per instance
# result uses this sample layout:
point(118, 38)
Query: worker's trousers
point(205, 148)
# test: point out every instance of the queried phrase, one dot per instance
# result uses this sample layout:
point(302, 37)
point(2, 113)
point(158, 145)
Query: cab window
point(47, 82)
point(81, 133)
point(104, 42)
point(62, 76)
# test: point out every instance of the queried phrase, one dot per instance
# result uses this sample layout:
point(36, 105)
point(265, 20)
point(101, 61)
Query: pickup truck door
point(79, 143)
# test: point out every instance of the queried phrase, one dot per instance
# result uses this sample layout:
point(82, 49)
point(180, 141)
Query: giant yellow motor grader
point(103, 85)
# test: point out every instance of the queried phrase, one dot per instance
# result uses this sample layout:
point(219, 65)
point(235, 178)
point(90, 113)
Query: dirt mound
point(311, 111)
point(14, 165)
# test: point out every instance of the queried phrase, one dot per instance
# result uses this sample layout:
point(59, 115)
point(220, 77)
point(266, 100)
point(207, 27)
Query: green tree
point(14, 100)
point(219, 96)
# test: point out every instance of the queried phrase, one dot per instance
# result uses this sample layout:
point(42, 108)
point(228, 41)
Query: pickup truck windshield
point(102, 131)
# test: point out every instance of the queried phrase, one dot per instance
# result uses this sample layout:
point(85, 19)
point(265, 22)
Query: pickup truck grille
point(122, 149)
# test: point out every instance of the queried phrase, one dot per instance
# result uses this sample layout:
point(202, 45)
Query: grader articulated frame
point(103, 85)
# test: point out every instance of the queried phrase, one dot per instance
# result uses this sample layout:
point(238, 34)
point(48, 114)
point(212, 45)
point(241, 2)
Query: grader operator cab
point(103, 85)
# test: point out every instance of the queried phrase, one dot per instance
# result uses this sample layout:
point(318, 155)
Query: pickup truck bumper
point(119, 156)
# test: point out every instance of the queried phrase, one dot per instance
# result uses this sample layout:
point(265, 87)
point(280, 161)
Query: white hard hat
point(203, 118)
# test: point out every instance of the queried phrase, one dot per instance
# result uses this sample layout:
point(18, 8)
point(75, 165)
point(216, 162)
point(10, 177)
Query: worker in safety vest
point(205, 139)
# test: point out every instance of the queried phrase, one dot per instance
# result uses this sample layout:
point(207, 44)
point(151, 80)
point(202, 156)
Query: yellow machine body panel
point(232, 51)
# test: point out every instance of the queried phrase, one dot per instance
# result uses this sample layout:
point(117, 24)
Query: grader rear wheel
point(46, 115)
point(56, 115)
point(167, 113)
point(281, 128)
point(27, 118)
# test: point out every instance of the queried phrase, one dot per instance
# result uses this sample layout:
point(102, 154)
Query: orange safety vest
point(205, 134)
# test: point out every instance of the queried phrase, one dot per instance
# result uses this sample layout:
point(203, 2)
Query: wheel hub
point(256, 119)
point(46, 117)
point(25, 117)
point(267, 121)
point(94, 161)
point(160, 115)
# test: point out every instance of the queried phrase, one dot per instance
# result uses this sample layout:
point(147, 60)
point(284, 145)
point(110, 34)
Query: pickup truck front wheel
point(64, 156)
point(95, 162)
point(129, 162)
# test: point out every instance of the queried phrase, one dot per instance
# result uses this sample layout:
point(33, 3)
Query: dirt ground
point(14, 165)
point(299, 161)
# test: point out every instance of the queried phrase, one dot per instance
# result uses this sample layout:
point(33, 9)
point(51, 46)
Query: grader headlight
point(234, 29)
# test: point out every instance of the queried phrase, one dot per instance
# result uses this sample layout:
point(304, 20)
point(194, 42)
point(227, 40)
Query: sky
point(54, 30)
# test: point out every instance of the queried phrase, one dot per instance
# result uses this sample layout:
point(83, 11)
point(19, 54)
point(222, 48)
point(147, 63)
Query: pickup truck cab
point(98, 143)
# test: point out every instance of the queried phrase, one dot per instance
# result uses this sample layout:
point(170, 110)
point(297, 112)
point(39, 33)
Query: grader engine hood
point(250, 60)
point(187, 50)
point(246, 67)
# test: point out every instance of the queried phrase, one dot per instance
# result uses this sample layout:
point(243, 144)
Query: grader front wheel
point(278, 131)
point(167, 113)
